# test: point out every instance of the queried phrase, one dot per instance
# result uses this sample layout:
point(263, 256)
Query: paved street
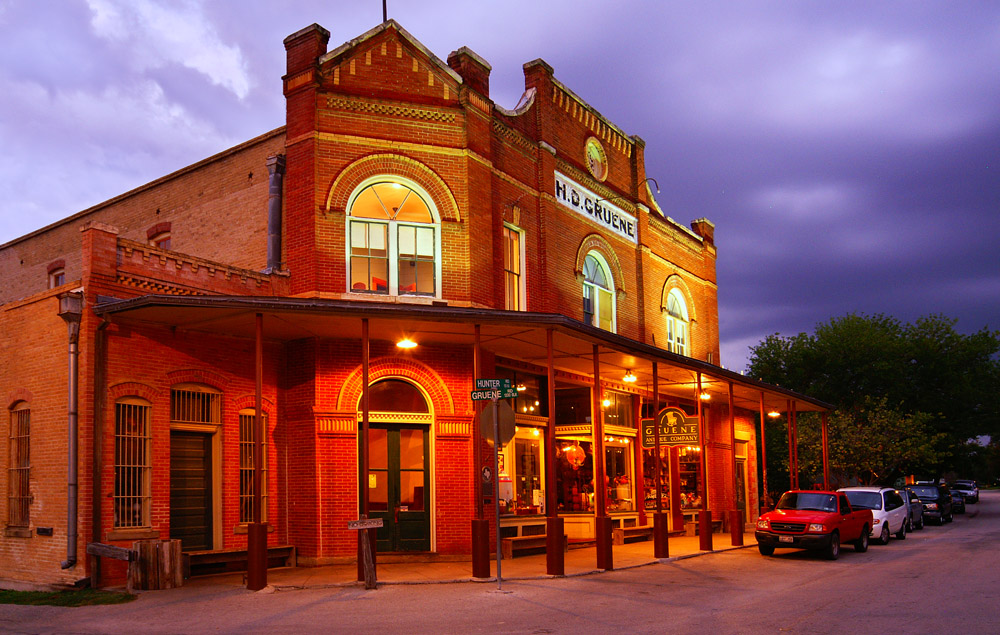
point(941, 579)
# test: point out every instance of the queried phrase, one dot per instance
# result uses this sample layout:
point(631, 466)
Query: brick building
point(398, 202)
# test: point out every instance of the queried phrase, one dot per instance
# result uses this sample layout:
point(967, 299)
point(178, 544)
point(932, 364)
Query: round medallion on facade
point(596, 159)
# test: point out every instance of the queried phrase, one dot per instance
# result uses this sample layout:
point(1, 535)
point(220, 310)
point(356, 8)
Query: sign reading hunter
point(676, 428)
point(581, 200)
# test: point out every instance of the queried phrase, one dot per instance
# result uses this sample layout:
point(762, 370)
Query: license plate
point(785, 539)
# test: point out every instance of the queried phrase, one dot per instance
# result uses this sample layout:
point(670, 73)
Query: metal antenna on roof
point(385, 12)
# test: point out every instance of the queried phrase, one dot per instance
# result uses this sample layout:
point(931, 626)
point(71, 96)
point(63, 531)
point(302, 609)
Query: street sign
point(484, 395)
point(365, 523)
point(493, 384)
point(505, 420)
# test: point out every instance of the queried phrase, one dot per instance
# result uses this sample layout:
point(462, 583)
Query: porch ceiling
point(519, 336)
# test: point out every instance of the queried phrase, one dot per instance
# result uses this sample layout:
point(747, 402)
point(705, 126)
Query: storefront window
point(532, 392)
point(618, 468)
point(521, 475)
point(689, 478)
point(649, 476)
point(572, 406)
point(574, 476)
point(618, 409)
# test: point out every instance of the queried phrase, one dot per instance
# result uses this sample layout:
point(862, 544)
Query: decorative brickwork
point(423, 376)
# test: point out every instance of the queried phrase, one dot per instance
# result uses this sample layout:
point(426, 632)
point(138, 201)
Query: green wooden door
point(399, 486)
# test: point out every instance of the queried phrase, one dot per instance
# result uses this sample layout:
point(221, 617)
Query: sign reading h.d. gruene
point(676, 428)
point(581, 200)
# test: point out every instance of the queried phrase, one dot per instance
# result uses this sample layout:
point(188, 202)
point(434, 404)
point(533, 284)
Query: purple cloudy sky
point(848, 152)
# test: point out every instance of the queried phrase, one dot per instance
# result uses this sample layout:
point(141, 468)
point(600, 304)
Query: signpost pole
point(496, 486)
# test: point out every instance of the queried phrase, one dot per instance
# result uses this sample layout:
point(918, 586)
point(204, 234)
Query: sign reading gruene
point(365, 523)
point(599, 210)
point(493, 389)
point(676, 428)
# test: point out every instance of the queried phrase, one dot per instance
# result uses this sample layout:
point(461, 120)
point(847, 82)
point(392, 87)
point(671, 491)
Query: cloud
point(154, 35)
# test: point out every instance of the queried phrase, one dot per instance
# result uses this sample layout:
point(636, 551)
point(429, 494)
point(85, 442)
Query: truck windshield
point(808, 500)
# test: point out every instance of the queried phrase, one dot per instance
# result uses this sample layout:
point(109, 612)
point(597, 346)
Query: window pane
point(425, 242)
point(588, 304)
point(411, 449)
point(367, 205)
point(395, 395)
point(414, 210)
point(378, 491)
point(392, 196)
point(411, 490)
point(425, 277)
point(606, 310)
point(378, 449)
point(407, 241)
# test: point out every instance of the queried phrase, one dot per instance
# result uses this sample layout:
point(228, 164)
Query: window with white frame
point(513, 268)
point(57, 278)
point(598, 293)
point(394, 240)
point(248, 436)
point(677, 323)
point(19, 465)
point(133, 467)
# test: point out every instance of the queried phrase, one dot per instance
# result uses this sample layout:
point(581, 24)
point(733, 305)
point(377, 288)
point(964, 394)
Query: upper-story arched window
point(677, 323)
point(394, 239)
point(598, 293)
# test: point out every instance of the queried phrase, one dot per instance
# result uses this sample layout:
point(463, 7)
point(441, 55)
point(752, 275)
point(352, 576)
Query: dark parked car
point(936, 500)
point(915, 508)
point(957, 502)
point(969, 489)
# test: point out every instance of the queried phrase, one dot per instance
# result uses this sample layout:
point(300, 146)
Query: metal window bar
point(247, 438)
point(19, 495)
point(132, 495)
point(195, 406)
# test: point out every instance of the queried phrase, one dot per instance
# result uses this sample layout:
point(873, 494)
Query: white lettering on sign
point(365, 523)
point(479, 395)
point(586, 203)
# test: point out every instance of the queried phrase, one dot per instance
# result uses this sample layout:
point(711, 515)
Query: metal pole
point(656, 439)
point(555, 559)
point(496, 486)
point(763, 446)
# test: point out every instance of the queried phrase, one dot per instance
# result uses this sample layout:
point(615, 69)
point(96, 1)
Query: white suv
point(888, 510)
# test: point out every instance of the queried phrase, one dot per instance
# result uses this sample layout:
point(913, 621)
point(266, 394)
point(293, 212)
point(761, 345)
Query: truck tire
point(833, 550)
point(765, 550)
point(861, 544)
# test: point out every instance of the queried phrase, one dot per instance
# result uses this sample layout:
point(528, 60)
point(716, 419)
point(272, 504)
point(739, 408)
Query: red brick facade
point(380, 107)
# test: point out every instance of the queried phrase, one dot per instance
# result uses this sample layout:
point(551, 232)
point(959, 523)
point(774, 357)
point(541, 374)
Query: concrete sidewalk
point(579, 561)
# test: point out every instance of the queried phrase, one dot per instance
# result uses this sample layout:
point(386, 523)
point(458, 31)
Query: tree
point(877, 371)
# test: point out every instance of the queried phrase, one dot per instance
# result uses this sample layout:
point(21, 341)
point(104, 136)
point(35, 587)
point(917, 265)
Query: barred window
point(133, 468)
point(191, 403)
point(18, 492)
point(248, 436)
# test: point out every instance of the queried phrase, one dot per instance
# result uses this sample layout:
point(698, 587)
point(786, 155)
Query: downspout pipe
point(71, 310)
point(275, 174)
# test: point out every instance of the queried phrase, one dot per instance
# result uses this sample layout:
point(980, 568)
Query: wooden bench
point(619, 535)
point(691, 528)
point(226, 560)
point(516, 544)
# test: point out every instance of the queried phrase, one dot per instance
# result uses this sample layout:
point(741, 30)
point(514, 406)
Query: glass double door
point(399, 486)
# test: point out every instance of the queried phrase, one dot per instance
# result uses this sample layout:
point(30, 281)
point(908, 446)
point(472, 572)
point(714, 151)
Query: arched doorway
point(399, 465)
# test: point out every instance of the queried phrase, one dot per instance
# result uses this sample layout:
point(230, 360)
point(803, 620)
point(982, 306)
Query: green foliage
point(83, 597)
point(925, 386)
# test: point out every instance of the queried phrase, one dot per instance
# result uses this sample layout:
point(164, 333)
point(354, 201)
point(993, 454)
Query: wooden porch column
point(555, 557)
point(705, 516)
point(480, 526)
point(763, 454)
point(791, 446)
point(795, 442)
point(661, 546)
point(826, 453)
point(735, 514)
point(602, 522)
point(371, 535)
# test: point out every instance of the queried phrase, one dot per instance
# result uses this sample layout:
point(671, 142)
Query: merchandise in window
point(574, 475)
point(618, 471)
point(522, 473)
point(649, 478)
point(690, 463)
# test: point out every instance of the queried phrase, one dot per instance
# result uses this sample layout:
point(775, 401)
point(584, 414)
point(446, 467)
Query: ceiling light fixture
point(629, 378)
point(704, 396)
point(406, 343)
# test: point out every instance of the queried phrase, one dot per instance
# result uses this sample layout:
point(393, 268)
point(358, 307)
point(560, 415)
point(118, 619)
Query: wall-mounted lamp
point(406, 343)
point(629, 378)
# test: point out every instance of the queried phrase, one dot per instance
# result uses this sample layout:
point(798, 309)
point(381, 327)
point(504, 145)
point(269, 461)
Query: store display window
point(532, 392)
point(649, 476)
point(690, 461)
point(618, 471)
point(522, 474)
point(574, 475)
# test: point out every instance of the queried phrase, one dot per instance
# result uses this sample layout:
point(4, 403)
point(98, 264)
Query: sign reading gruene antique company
point(676, 428)
point(586, 203)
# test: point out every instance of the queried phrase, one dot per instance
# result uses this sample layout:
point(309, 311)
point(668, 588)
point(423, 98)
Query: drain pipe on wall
point(71, 310)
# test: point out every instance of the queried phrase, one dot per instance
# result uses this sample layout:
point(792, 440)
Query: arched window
point(598, 293)
point(19, 443)
point(396, 395)
point(394, 240)
point(677, 323)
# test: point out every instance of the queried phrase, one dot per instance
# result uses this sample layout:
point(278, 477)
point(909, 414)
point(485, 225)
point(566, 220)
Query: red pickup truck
point(807, 519)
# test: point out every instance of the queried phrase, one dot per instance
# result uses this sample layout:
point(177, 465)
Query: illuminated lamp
point(629, 378)
point(704, 396)
point(774, 414)
point(406, 343)
point(521, 388)
point(575, 455)
point(606, 403)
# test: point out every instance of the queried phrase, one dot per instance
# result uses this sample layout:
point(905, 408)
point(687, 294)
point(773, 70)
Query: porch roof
point(513, 335)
